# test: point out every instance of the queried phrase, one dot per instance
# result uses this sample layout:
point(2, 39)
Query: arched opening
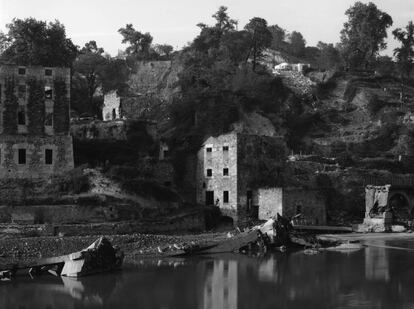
point(400, 207)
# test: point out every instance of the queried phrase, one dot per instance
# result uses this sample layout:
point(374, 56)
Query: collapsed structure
point(34, 122)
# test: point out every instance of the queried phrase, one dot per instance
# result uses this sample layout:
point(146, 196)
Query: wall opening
point(209, 198)
point(225, 197)
point(400, 206)
point(22, 156)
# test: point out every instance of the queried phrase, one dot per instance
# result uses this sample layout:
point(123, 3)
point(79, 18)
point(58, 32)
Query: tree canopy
point(405, 53)
point(260, 39)
point(33, 42)
point(364, 34)
point(139, 43)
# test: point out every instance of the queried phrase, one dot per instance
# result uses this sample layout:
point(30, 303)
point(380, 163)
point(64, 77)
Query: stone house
point(232, 166)
point(34, 122)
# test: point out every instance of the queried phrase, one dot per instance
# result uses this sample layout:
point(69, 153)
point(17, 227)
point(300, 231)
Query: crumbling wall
point(311, 204)
point(111, 107)
point(260, 162)
point(269, 201)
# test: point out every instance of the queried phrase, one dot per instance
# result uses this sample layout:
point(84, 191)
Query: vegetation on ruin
point(60, 107)
point(10, 106)
point(36, 106)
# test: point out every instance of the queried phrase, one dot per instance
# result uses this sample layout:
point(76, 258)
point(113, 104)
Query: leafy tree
point(224, 22)
point(405, 53)
point(384, 66)
point(139, 43)
point(114, 75)
point(33, 42)
point(164, 50)
point(4, 42)
point(364, 34)
point(89, 65)
point(235, 46)
point(260, 39)
point(328, 57)
point(278, 37)
point(297, 43)
point(211, 36)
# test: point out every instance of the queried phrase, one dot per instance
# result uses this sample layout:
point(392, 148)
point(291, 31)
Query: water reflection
point(375, 277)
point(376, 262)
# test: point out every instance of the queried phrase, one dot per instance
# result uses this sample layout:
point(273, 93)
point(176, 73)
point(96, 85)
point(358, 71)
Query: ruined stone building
point(242, 174)
point(128, 107)
point(34, 122)
point(231, 167)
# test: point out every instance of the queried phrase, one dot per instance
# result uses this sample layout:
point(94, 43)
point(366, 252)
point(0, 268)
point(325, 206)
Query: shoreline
point(139, 246)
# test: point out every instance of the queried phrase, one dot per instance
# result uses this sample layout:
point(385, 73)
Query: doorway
point(209, 198)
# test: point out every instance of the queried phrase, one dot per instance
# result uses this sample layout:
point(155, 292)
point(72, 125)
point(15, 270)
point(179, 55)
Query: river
point(373, 277)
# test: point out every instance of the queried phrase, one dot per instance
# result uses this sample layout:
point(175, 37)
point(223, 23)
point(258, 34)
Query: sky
point(174, 21)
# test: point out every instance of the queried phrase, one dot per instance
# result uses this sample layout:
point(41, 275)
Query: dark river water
point(373, 277)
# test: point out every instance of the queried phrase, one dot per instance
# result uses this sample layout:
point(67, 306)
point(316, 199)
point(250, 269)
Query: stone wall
point(310, 203)
point(34, 121)
point(250, 162)
point(270, 202)
point(291, 201)
point(35, 147)
point(112, 130)
point(260, 161)
point(111, 107)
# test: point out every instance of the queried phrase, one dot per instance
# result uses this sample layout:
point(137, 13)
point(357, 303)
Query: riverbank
point(19, 250)
point(136, 246)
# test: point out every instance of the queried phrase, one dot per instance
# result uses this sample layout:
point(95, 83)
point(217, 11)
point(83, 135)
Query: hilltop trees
point(260, 38)
point(139, 43)
point(278, 37)
point(405, 53)
point(364, 34)
point(297, 43)
point(328, 56)
point(33, 42)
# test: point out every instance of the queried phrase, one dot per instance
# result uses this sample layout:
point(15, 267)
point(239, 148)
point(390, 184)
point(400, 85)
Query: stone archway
point(401, 205)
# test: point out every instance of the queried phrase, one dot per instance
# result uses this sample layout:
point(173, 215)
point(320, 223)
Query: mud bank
point(15, 250)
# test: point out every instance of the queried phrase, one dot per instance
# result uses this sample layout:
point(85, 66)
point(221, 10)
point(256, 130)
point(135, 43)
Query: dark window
point(22, 71)
point(113, 113)
point(21, 118)
point(225, 172)
point(21, 91)
point(225, 197)
point(165, 154)
point(209, 172)
point(204, 185)
point(225, 148)
point(209, 149)
point(298, 209)
point(48, 72)
point(48, 156)
point(48, 92)
point(209, 197)
point(22, 156)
